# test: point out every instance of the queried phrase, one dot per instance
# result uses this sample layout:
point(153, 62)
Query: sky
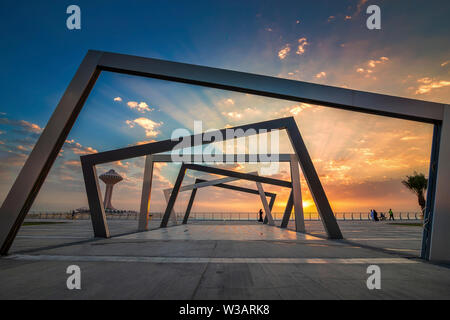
point(361, 159)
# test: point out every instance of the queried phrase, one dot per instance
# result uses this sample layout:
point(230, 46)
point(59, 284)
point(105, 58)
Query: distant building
point(110, 178)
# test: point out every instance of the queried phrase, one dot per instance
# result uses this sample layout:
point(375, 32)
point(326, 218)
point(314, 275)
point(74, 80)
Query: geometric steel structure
point(32, 175)
point(227, 173)
point(110, 178)
point(229, 187)
point(204, 183)
point(98, 216)
point(296, 202)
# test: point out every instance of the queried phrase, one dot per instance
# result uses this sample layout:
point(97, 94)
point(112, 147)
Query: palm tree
point(417, 183)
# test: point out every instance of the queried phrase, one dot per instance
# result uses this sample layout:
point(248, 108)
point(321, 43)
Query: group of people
point(374, 215)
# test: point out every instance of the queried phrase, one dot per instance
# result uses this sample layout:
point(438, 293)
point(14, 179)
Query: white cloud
point(118, 99)
point(233, 114)
point(147, 124)
point(443, 64)
point(141, 107)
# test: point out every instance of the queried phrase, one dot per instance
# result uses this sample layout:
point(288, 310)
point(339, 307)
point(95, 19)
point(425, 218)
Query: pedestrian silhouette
point(260, 216)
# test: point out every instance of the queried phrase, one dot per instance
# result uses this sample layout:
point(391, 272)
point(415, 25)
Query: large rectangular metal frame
point(222, 172)
point(211, 183)
point(31, 177)
point(271, 195)
point(144, 213)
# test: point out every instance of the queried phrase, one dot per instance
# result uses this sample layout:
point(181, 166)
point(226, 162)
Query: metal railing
point(221, 216)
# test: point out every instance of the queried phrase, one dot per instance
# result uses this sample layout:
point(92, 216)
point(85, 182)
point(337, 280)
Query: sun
point(307, 203)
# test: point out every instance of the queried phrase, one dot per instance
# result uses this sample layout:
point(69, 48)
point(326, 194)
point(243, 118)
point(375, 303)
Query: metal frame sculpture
point(32, 175)
point(88, 163)
point(271, 195)
point(228, 173)
point(295, 201)
point(212, 183)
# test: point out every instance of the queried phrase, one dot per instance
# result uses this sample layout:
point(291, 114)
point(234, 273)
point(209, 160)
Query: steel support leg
point(265, 204)
point(173, 197)
point(189, 207)
point(146, 194)
point(312, 178)
point(439, 249)
point(271, 203)
point(97, 210)
point(287, 211)
point(297, 195)
point(173, 214)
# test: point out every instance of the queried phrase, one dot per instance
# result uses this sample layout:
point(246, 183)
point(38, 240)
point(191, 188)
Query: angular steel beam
point(189, 207)
point(146, 194)
point(224, 158)
point(297, 195)
point(173, 213)
point(266, 207)
point(32, 175)
point(335, 97)
point(287, 211)
point(206, 183)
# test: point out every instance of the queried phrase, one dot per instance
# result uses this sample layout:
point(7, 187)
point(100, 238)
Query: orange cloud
point(302, 43)
point(429, 84)
point(283, 53)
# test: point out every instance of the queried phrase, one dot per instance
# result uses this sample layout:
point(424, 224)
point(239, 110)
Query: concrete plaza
point(220, 260)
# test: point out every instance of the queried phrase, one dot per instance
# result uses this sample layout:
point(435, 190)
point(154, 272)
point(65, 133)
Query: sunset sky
point(360, 158)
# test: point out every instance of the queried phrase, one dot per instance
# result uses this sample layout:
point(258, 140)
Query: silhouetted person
point(391, 215)
point(382, 216)
point(375, 215)
point(260, 219)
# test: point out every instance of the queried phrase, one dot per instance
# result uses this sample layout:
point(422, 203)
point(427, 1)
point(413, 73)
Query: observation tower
point(110, 178)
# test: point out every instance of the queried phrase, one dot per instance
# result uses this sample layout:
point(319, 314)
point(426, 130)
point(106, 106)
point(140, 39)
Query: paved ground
point(220, 261)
